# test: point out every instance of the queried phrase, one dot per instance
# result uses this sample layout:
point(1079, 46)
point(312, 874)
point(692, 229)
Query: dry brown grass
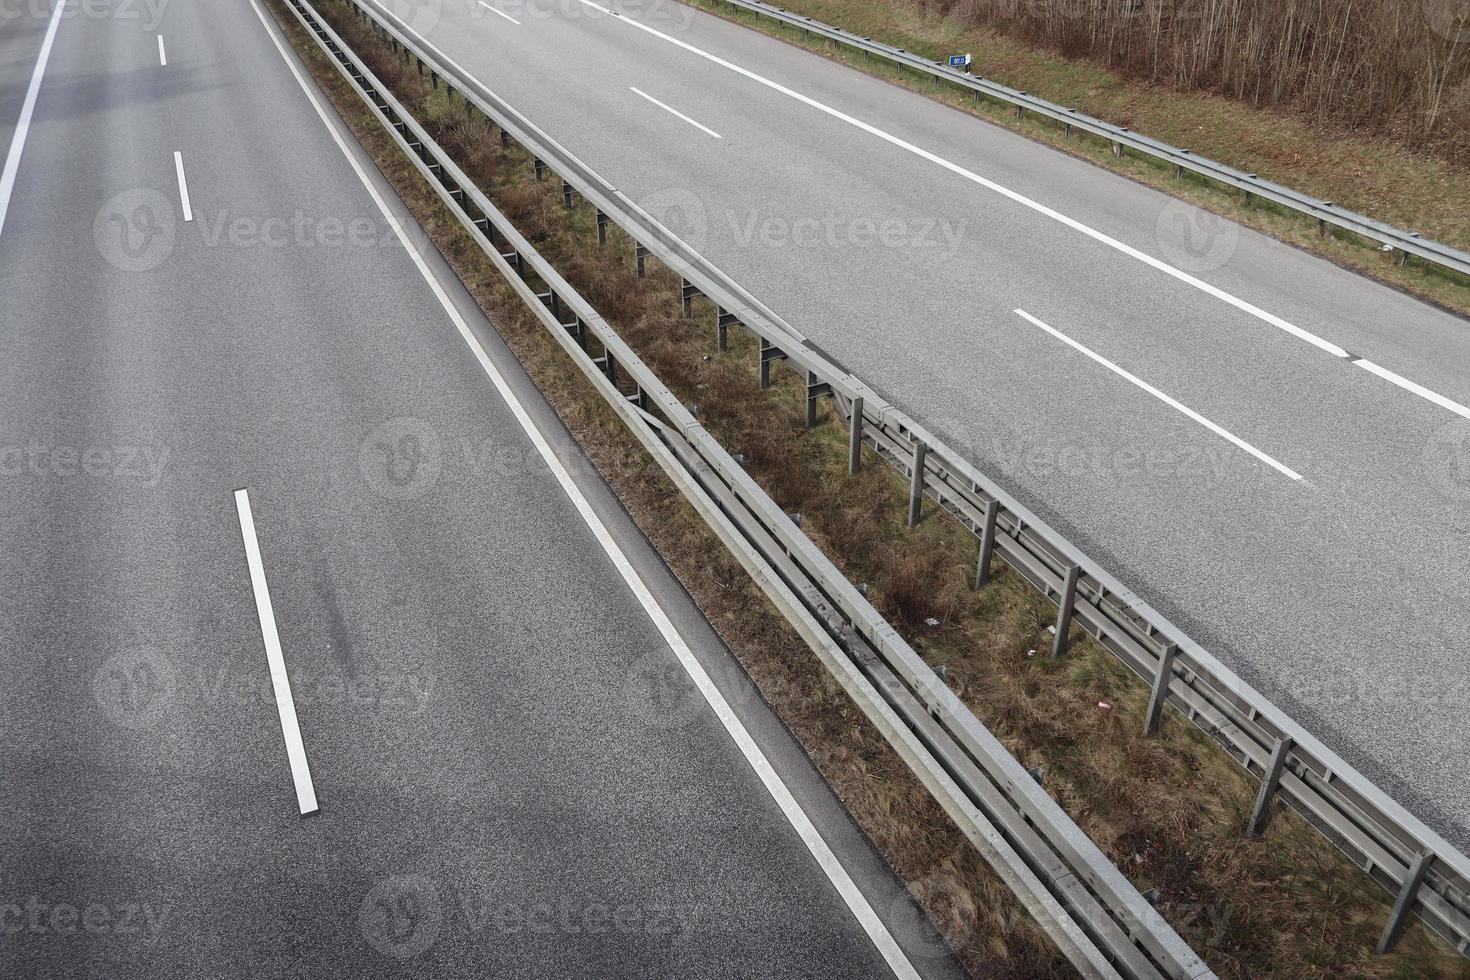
point(1168, 810)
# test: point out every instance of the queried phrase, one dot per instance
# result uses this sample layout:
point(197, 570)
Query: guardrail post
point(578, 330)
point(434, 79)
point(855, 437)
point(689, 291)
point(1399, 917)
point(640, 254)
point(768, 353)
point(724, 320)
point(987, 544)
point(601, 227)
point(539, 167)
point(815, 388)
point(566, 193)
point(1064, 610)
point(916, 483)
point(504, 139)
point(1270, 780)
point(1160, 693)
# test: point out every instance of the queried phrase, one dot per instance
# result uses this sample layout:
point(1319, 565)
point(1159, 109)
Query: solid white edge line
point(162, 58)
point(671, 109)
point(851, 895)
point(500, 12)
point(1073, 223)
point(280, 679)
point(1410, 386)
point(183, 186)
point(1171, 402)
point(23, 121)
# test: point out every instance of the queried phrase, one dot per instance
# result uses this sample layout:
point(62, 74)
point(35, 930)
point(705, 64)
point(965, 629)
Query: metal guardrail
point(1429, 876)
point(1325, 212)
point(1096, 917)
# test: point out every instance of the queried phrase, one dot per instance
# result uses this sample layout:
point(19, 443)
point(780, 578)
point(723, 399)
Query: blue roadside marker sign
point(959, 61)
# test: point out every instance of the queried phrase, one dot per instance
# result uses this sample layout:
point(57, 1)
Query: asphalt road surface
point(491, 672)
point(1166, 388)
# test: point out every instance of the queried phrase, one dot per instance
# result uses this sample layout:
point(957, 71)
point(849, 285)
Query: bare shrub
point(1396, 66)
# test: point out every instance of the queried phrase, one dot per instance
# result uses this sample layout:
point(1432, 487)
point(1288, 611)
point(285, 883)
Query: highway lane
point(516, 776)
point(903, 237)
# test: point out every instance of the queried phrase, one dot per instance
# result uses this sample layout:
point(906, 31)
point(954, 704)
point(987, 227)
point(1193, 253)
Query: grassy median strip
point(1168, 810)
point(1373, 176)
